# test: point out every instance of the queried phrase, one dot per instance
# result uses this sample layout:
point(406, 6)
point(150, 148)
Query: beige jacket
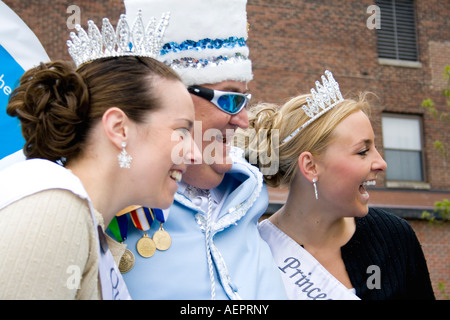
point(49, 249)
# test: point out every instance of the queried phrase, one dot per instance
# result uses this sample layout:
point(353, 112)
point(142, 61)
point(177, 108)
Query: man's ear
point(307, 164)
point(115, 125)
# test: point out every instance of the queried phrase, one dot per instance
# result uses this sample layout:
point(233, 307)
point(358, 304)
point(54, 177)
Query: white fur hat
point(205, 41)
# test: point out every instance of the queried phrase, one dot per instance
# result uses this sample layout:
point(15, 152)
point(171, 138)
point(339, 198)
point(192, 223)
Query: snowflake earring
point(124, 158)
point(315, 188)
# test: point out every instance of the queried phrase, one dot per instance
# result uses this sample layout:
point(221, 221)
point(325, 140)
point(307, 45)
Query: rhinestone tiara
point(124, 41)
point(324, 97)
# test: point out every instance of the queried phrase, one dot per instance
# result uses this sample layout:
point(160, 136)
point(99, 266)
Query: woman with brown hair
point(111, 124)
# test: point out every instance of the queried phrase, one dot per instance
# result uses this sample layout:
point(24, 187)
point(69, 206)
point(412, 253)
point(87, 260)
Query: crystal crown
point(324, 97)
point(124, 41)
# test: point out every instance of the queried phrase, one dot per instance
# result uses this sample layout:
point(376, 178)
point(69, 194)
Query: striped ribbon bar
point(119, 227)
point(159, 215)
point(142, 218)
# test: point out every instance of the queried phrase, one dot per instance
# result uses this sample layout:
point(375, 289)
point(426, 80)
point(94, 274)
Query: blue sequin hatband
point(202, 63)
point(203, 44)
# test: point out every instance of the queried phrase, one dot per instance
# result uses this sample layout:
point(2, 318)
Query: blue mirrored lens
point(231, 103)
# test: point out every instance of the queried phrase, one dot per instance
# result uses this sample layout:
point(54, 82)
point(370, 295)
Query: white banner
point(303, 276)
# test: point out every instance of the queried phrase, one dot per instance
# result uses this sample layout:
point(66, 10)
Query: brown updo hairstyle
point(286, 119)
point(58, 105)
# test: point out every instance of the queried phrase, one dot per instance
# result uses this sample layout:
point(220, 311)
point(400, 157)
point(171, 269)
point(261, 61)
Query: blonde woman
point(326, 241)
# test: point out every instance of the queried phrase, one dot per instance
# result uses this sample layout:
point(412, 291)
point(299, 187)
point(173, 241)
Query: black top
point(384, 259)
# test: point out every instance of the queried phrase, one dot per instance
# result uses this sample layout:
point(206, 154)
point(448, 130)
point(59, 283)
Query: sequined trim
point(202, 63)
point(203, 44)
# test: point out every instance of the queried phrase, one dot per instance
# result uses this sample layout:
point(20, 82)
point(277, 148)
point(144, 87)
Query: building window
point(397, 35)
point(402, 142)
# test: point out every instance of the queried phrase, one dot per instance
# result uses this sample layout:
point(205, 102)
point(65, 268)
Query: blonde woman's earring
point(124, 158)
point(315, 188)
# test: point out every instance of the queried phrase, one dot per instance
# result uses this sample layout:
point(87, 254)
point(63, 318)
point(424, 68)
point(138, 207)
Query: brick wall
point(48, 19)
point(435, 240)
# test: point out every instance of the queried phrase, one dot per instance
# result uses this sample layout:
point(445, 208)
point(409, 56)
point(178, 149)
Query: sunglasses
point(229, 102)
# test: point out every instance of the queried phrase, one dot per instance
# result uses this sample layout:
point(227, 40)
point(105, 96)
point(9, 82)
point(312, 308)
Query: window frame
point(395, 183)
point(391, 42)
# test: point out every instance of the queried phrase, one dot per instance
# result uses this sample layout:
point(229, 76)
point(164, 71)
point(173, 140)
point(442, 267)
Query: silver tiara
point(124, 41)
point(324, 97)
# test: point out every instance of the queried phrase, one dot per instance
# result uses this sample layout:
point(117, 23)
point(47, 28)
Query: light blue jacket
point(242, 262)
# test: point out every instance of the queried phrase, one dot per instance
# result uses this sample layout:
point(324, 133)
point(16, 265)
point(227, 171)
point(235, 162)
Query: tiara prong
point(124, 41)
point(324, 97)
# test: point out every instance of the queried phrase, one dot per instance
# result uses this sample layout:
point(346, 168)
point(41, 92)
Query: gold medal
point(146, 246)
point(162, 239)
point(127, 261)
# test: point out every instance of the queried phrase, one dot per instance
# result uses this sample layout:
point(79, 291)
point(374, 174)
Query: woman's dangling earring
point(124, 158)
point(315, 188)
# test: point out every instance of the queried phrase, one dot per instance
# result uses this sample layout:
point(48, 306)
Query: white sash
point(303, 276)
point(32, 176)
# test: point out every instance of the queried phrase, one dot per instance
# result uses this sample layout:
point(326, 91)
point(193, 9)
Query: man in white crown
point(216, 251)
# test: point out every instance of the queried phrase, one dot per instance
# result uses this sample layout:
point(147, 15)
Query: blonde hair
point(281, 121)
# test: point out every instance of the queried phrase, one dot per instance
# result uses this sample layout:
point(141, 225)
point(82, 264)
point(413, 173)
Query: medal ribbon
point(159, 214)
point(119, 227)
point(142, 218)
